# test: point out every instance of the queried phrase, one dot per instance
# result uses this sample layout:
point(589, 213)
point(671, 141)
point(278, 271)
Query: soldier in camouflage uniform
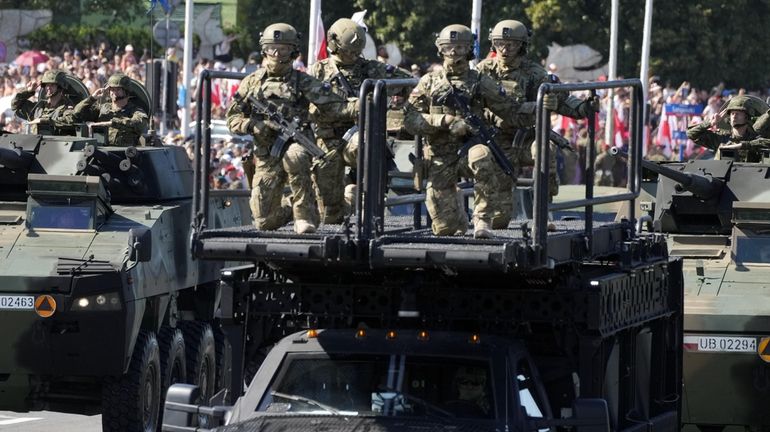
point(345, 70)
point(125, 120)
point(445, 131)
point(292, 92)
point(44, 115)
point(742, 139)
point(521, 78)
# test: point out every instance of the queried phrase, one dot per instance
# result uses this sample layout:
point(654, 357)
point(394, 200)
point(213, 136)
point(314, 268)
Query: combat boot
point(481, 229)
point(303, 227)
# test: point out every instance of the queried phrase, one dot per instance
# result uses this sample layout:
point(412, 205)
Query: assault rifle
point(288, 131)
point(345, 84)
point(481, 134)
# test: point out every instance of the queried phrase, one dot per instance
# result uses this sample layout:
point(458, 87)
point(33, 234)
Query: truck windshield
point(61, 215)
point(754, 249)
point(381, 385)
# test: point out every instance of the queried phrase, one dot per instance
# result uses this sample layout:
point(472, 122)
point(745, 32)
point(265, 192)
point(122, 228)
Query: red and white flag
point(320, 38)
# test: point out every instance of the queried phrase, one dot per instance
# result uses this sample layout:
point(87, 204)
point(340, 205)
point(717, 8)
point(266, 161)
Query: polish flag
point(320, 37)
point(621, 132)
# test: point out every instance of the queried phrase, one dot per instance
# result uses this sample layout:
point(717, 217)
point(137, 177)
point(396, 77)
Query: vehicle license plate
point(706, 343)
point(17, 302)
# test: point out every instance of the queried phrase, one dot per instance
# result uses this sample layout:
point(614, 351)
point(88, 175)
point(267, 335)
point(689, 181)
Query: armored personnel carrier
point(714, 214)
point(379, 325)
point(102, 305)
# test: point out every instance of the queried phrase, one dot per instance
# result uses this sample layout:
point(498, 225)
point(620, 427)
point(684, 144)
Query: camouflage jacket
point(751, 143)
point(28, 110)
point(521, 83)
point(762, 125)
point(127, 124)
point(295, 94)
point(425, 114)
point(341, 76)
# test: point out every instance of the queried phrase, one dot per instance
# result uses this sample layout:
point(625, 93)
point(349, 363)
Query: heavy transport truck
point(376, 324)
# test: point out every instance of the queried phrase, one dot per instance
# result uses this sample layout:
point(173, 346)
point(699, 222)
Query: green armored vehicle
point(715, 215)
point(102, 306)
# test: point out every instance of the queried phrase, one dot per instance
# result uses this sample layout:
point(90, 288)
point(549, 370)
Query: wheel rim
point(203, 385)
point(149, 402)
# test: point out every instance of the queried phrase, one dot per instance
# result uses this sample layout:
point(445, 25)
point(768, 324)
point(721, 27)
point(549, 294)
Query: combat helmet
point(119, 80)
point(345, 34)
point(751, 105)
point(455, 33)
point(280, 33)
point(53, 77)
point(511, 30)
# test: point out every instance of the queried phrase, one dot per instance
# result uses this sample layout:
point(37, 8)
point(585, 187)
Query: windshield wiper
point(306, 400)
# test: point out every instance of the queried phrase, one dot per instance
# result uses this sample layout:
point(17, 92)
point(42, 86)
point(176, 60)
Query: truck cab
point(413, 379)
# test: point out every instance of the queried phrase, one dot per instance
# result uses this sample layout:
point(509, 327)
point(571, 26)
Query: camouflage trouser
point(270, 176)
point(442, 197)
point(493, 198)
point(329, 178)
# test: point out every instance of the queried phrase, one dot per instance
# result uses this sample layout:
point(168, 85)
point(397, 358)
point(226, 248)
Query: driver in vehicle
point(470, 391)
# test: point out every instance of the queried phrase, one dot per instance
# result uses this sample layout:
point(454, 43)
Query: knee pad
point(478, 153)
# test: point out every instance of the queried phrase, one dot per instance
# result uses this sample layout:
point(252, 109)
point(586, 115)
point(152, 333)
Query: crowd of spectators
point(94, 64)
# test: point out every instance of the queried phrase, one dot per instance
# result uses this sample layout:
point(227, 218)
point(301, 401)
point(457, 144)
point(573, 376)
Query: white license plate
point(17, 302)
point(705, 343)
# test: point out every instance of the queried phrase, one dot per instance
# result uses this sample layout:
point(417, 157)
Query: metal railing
point(372, 161)
point(200, 201)
point(542, 166)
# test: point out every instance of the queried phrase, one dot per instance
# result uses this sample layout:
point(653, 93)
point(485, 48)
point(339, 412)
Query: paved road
point(46, 421)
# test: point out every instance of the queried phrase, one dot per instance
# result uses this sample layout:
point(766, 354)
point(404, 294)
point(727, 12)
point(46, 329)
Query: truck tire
point(200, 348)
point(173, 364)
point(131, 402)
point(224, 364)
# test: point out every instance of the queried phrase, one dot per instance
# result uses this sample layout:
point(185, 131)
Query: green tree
point(704, 41)
point(255, 15)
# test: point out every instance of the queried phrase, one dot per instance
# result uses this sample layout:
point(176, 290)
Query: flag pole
point(476, 29)
point(312, 45)
point(609, 124)
point(187, 63)
point(645, 69)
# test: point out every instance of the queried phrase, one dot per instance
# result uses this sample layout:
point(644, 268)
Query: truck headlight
point(100, 302)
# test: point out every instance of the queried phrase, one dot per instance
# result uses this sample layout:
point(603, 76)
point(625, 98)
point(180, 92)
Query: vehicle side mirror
point(140, 244)
point(180, 408)
point(592, 415)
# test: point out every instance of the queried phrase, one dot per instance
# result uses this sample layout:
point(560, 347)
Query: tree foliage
point(56, 38)
point(701, 41)
point(704, 41)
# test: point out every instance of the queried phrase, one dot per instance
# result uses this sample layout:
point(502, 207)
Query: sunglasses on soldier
point(277, 49)
point(459, 49)
point(506, 45)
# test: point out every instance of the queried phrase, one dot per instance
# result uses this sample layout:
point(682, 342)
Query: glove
point(260, 127)
point(589, 106)
point(459, 128)
point(550, 101)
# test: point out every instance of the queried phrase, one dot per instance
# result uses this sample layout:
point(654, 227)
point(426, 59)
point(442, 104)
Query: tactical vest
point(283, 91)
point(440, 86)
